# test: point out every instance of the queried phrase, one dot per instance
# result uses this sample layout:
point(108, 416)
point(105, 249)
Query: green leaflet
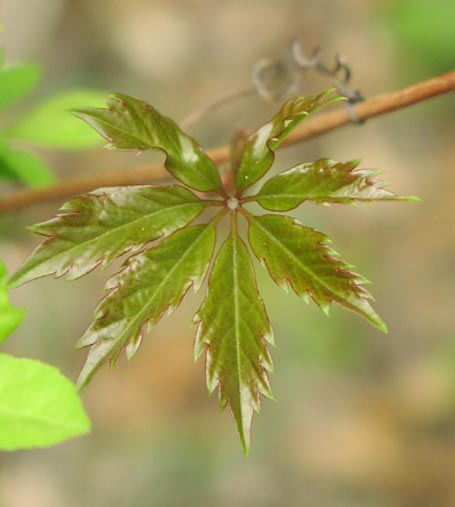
point(233, 329)
point(301, 257)
point(38, 405)
point(258, 155)
point(98, 227)
point(323, 181)
point(131, 124)
point(10, 317)
point(50, 125)
point(17, 82)
point(152, 283)
point(21, 166)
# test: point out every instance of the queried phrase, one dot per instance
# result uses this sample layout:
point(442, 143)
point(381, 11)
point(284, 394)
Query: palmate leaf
point(98, 227)
point(152, 283)
point(233, 329)
point(258, 155)
point(131, 124)
point(324, 181)
point(300, 256)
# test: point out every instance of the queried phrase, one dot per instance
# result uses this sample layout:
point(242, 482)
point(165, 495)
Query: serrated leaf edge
point(15, 281)
point(200, 348)
point(359, 280)
point(84, 115)
point(84, 380)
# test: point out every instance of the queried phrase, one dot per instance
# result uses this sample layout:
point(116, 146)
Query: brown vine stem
point(370, 108)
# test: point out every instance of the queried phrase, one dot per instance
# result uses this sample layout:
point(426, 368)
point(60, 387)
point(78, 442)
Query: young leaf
point(131, 124)
point(152, 283)
point(17, 82)
point(258, 155)
point(39, 407)
point(10, 317)
point(233, 329)
point(50, 125)
point(21, 166)
point(98, 227)
point(301, 257)
point(323, 181)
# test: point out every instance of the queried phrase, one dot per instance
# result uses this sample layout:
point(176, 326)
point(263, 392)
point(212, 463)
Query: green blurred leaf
point(39, 407)
point(152, 283)
point(21, 166)
point(50, 124)
point(10, 317)
point(131, 124)
point(258, 155)
point(424, 34)
point(96, 228)
point(301, 257)
point(323, 181)
point(233, 330)
point(17, 82)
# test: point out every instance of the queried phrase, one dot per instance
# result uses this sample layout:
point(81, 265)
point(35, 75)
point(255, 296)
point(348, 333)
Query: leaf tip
point(409, 198)
point(243, 429)
point(245, 448)
point(382, 326)
point(325, 307)
point(77, 112)
point(376, 320)
point(81, 385)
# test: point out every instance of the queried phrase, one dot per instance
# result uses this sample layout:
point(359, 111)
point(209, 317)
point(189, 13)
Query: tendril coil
point(276, 79)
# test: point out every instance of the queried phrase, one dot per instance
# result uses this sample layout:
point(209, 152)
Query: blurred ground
point(361, 418)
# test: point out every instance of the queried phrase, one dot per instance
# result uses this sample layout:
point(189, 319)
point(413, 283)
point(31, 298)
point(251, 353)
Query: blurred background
point(360, 418)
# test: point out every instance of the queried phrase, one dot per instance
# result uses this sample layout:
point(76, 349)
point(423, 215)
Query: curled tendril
point(275, 80)
point(341, 71)
point(301, 60)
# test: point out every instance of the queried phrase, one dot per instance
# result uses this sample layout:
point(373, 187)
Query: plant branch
point(370, 108)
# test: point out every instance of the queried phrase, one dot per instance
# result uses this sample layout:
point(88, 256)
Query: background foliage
point(368, 417)
point(46, 125)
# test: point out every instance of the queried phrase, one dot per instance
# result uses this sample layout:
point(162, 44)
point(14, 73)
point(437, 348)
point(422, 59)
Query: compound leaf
point(233, 330)
point(152, 283)
point(300, 256)
point(258, 155)
point(131, 124)
point(10, 317)
point(323, 181)
point(50, 125)
point(39, 407)
point(17, 82)
point(98, 227)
